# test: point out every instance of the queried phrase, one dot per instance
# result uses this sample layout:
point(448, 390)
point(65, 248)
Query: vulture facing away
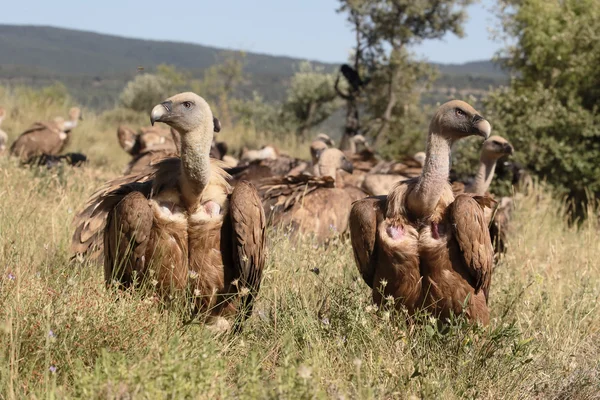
point(420, 244)
point(306, 204)
point(48, 138)
point(180, 226)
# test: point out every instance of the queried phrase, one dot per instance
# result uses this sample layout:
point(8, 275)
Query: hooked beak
point(347, 166)
point(481, 126)
point(160, 112)
point(508, 149)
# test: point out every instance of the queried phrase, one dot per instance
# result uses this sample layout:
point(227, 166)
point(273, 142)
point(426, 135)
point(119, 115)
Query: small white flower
point(193, 275)
point(385, 316)
point(382, 283)
point(154, 282)
point(197, 292)
point(244, 291)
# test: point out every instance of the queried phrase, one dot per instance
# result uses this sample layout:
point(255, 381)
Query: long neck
point(484, 177)
point(195, 159)
point(326, 170)
point(434, 176)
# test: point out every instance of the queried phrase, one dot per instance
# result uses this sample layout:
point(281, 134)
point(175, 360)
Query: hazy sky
point(302, 28)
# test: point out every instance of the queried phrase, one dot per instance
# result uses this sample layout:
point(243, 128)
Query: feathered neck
point(484, 176)
point(424, 198)
point(195, 159)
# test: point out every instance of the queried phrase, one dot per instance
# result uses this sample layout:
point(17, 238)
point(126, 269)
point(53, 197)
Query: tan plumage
point(3, 135)
point(180, 225)
point(311, 205)
point(147, 146)
point(384, 176)
point(420, 244)
point(45, 137)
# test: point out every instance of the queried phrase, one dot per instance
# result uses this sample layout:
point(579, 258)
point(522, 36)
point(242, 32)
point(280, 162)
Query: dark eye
point(187, 104)
point(460, 112)
point(497, 143)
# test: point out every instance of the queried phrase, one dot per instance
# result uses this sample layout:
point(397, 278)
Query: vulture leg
point(126, 238)
point(248, 223)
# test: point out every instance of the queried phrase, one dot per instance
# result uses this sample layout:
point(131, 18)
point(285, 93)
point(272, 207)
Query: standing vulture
point(3, 135)
point(421, 245)
point(181, 226)
point(48, 138)
point(498, 219)
point(317, 205)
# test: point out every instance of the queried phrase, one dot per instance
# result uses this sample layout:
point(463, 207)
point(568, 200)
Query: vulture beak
point(160, 112)
point(508, 149)
point(347, 166)
point(481, 127)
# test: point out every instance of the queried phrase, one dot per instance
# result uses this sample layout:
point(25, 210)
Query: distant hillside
point(95, 67)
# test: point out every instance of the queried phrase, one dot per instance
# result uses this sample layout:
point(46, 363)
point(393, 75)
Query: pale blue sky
point(308, 29)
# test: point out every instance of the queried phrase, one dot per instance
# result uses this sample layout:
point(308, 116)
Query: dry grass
point(62, 335)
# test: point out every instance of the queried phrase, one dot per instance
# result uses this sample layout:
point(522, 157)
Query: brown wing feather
point(249, 224)
point(365, 216)
point(126, 238)
point(280, 193)
point(473, 238)
point(90, 222)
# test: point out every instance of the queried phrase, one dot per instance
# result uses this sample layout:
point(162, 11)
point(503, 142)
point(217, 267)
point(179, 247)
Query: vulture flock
point(190, 220)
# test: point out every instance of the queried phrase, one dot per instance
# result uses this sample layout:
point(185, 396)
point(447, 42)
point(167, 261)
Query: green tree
point(311, 97)
point(220, 83)
point(389, 76)
point(550, 110)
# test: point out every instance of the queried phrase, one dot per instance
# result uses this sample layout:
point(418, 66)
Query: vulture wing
point(248, 223)
point(473, 237)
point(280, 193)
point(365, 216)
point(126, 237)
point(89, 223)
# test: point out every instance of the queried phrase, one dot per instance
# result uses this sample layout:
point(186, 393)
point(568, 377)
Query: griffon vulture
point(181, 225)
point(421, 245)
point(498, 219)
point(48, 138)
point(306, 204)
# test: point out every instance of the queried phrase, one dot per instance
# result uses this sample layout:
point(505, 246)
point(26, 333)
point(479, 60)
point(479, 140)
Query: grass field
point(63, 335)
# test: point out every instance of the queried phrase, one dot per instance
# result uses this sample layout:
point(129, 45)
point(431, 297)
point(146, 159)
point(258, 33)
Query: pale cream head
point(457, 119)
point(325, 139)
point(496, 147)
point(185, 112)
point(332, 160)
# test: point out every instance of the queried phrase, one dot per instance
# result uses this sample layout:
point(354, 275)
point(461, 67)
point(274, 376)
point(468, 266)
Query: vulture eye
point(460, 112)
point(187, 104)
point(497, 143)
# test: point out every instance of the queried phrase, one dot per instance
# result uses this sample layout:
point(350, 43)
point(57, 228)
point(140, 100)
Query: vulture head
point(316, 148)
point(456, 119)
point(127, 138)
point(185, 112)
point(420, 157)
point(332, 160)
point(75, 114)
point(323, 137)
point(496, 147)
